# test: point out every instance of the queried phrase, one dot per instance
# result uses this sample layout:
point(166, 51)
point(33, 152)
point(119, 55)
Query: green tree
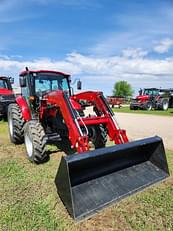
point(122, 88)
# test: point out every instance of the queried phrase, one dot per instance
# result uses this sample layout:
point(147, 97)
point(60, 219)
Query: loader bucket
point(93, 180)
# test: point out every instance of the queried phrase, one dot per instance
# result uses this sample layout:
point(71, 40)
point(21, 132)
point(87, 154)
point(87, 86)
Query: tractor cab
point(35, 85)
point(5, 85)
point(148, 92)
point(41, 82)
point(151, 91)
point(6, 95)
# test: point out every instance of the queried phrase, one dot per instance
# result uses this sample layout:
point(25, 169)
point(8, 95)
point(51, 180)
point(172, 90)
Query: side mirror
point(11, 80)
point(79, 85)
point(22, 81)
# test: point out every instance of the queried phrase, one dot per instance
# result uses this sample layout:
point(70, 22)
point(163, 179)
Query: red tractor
point(151, 98)
point(48, 112)
point(6, 95)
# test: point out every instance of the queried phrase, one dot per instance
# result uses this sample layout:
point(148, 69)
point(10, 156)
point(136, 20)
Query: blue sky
point(100, 41)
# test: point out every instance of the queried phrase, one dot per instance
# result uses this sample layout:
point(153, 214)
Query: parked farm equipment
point(152, 98)
point(115, 100)
point(6, 95)
point(171, 98)
point(48, 112)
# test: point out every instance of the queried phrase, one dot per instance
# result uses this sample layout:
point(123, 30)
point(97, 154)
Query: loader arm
point(60, 100)
point(106, 115)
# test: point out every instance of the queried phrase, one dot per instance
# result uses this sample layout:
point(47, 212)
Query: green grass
point(3, 129)
point(29, 201)
point(126, 109)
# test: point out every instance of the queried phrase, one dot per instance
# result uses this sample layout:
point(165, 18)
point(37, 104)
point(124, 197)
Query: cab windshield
point(45, 82)
point(3, 84)
point(151, 92)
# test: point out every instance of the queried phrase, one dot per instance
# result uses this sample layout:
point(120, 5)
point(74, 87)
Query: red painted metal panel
point(4, 91)
point(24, 108)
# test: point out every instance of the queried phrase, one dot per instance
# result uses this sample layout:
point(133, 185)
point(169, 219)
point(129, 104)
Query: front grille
point(135, 100)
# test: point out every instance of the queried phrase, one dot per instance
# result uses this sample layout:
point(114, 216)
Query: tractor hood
point(142, 97)
point(4, 91)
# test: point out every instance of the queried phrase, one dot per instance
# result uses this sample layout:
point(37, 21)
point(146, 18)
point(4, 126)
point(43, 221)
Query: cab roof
point(152, 88)
point(23, 73)
point(159, 89)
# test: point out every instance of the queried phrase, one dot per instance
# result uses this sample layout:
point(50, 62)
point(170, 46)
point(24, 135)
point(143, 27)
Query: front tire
point(148, 106)
point(132, 107)
point(98, 136)
point(15, 124)
point(35, 142)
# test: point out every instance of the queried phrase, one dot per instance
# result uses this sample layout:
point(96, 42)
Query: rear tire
point(164, 104)
point(15, 124)
point(35, 142)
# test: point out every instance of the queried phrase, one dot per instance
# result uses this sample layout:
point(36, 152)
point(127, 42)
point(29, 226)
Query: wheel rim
point(165, 106)
point(29, 145)
point(149, 107)
point(10, 122)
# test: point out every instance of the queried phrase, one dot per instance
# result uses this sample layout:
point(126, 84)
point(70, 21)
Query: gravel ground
point(140, 126)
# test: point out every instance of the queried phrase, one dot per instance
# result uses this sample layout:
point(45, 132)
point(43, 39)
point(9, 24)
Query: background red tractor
point(6, 95)
point(151, 98)
point(48, 112)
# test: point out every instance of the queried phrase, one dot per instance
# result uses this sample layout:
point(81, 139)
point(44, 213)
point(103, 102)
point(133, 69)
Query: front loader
point(47, 112)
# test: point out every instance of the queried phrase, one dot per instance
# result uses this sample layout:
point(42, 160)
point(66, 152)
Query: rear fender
point(24, 108)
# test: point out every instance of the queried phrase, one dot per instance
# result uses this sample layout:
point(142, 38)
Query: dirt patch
point(141, 126)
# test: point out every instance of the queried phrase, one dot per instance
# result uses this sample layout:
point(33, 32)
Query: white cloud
point(101, 73)
point(14, 65)
point(164, 46)
point(77, 63)
point(121, 65)
point(134, 53)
